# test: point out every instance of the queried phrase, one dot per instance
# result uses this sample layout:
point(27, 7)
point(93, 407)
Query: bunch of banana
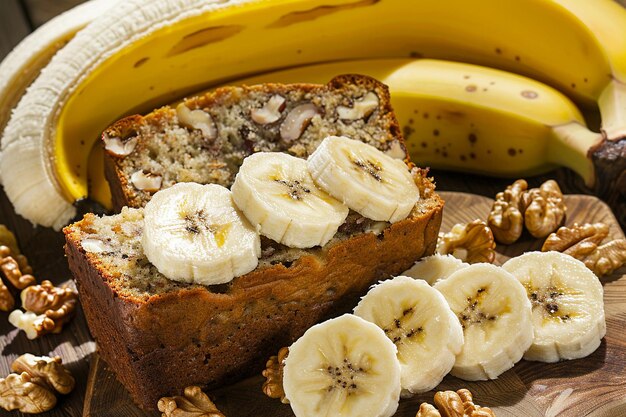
point(143, 53)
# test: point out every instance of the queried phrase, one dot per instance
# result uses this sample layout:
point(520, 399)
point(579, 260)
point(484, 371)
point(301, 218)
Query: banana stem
point(572, 147)
point(612, 103)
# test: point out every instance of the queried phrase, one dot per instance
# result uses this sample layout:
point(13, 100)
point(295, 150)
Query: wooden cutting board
point(593, 386)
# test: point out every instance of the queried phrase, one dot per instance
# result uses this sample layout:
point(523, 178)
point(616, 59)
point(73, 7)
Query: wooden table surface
point(44, 247)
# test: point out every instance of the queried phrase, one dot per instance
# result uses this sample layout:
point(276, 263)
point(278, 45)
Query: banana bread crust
point(210, 336)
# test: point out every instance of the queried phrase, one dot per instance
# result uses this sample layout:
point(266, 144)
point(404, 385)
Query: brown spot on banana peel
point(312, 14)
point(204, 37)
point(609, 163)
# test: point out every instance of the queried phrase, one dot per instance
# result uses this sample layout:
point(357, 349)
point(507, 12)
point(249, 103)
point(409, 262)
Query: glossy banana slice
point(495, 314)
point(418, 320)
point(368, 181)
point(276, 192)
point(343, 367)
point(194, 233)
point(567, 305)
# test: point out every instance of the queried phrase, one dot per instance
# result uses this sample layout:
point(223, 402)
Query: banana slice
point(194, 233)
point(495, 315)
point(434, 268)
point(276, 192)
point(419, 322)
point(567, 305)
point(371, 183)
point(343, 367)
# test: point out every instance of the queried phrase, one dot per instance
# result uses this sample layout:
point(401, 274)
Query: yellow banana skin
point(148, 52)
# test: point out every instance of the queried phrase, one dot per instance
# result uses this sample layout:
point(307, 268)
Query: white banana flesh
point(417, 319)
point(194, 233)
point(343, 367)
point(435, 268)
point(495, 314)
point(368, 181)
point(276, 193)
point(567, 305)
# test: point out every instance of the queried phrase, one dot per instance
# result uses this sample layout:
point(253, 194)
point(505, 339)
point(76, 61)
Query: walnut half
point(48, 308)
point(193, 403)
point(472, 242)
point(545, 209)
point(17, 392)
point(45, 371)
point(454, 404)
point(273, 373)
point(506, 219)
point(14, 268)
point(583, 242)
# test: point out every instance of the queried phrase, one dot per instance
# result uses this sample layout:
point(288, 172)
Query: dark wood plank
point(14, 25)
point(40, 11)
point(595, 385)
point(44, 249)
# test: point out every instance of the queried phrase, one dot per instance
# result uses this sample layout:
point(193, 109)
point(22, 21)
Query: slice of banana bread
point(205, 139)
point(161, 336)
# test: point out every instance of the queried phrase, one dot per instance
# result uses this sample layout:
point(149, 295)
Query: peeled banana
point(146, 52)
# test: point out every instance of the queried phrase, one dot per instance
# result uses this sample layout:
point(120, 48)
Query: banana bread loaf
point(160, 335)
point(205, 139)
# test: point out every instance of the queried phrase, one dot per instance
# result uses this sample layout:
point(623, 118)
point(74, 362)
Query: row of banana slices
point(476, 322)
point(196, 233)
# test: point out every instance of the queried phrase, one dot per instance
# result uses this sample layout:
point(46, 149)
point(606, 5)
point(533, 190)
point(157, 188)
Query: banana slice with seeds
point(420, 323)
point(434, 268)
point(194, 233)
point(371, 183)
point(567, 305)
point(343, 367)
point(276, 192)
point(496, 318)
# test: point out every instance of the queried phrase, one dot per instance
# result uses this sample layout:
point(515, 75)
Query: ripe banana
point(567, 305)
point(194, 233)
point(435, 268)
point(156, 51)
point(367, 180)
point(343, 367)
point(417, 319)
point(496, 318)
point(276, 192)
